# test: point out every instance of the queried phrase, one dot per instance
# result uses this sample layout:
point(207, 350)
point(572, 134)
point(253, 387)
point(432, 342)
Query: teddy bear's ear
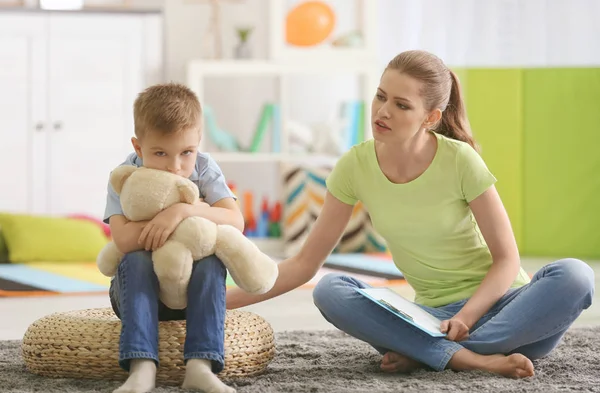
point(119, 175)
point(188, 192)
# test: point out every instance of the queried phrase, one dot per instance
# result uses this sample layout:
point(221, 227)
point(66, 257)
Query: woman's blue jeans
point(530, 320)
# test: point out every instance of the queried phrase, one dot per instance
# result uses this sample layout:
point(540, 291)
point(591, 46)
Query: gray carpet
point(333, 362)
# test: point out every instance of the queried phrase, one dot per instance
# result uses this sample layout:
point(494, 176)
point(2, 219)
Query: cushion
point(304, 191)
point(85, 344)
point(105, 227)
point(3, 248)
point(32, 238)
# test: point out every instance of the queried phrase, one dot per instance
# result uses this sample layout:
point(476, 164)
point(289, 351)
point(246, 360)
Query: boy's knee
point(210, 264)
point(140, 261)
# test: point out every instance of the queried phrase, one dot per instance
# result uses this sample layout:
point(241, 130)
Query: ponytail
point(441, 89)
point(454, 123)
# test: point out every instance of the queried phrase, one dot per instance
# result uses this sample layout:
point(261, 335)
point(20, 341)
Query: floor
point(292, 311)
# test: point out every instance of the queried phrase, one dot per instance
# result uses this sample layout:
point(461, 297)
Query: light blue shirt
point(207, 176)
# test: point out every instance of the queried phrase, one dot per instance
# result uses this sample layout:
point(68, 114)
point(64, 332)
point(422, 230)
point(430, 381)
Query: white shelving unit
point(286, 62)
point(199, 70)
point(258, 170)
point(225, 157)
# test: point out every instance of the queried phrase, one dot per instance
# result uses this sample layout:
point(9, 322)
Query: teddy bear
point(143, 193)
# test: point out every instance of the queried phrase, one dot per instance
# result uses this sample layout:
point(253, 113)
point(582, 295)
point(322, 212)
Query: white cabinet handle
point(39, 126)
point(57, 126)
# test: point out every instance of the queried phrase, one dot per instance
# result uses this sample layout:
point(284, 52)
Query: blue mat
point(367, 264)
point(20, 279)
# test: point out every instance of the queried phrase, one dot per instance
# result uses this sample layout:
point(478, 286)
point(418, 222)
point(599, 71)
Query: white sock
point(142, 377)
point(199, 376)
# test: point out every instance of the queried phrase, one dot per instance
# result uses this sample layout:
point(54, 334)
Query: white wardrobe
point(67, 85)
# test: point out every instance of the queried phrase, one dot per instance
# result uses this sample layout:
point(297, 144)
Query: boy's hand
point(158, 230)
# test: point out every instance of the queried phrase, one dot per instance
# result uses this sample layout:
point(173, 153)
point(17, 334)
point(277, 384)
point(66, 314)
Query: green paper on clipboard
point(403, 308)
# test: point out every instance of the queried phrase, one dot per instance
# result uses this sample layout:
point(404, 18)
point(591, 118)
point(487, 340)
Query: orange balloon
point(309, 23)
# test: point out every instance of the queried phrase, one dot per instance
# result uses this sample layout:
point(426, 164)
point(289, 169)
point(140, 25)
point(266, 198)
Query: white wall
point(462, 32)
point(495, 33)
point(186, 25)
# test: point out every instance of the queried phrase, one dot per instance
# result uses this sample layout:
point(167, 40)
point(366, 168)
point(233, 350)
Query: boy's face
point(175, 153)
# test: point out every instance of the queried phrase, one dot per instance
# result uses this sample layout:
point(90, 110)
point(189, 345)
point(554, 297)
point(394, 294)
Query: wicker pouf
point(85, 344)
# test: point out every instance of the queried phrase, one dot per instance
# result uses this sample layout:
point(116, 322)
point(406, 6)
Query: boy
point(167, 120)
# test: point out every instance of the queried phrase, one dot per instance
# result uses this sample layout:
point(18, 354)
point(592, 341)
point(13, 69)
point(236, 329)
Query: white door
point(22, 110)
point(95, 73)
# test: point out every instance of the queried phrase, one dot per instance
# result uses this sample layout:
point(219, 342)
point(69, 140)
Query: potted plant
point(242, 50)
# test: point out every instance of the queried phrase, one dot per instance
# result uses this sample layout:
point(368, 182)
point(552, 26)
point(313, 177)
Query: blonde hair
point(441, 89)
point(166, 108)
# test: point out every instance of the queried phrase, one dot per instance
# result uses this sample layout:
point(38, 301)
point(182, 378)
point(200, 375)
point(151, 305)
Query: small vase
point(243, 51)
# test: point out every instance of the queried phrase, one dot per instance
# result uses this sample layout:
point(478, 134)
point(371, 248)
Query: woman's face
point(398, 112)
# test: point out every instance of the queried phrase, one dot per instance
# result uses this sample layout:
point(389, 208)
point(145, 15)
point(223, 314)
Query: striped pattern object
point(295, 221)
point(304, 192)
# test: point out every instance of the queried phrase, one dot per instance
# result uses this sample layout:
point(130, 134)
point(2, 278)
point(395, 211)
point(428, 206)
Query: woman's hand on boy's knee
point(455, 329)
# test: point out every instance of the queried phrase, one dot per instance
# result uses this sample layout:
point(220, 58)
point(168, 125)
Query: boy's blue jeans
point(529, 320)
point(134, 298)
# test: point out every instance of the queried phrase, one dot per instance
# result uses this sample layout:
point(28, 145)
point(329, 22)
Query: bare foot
point(513, 366)
point(393, 362)
point(199, 376)
point(142, 375)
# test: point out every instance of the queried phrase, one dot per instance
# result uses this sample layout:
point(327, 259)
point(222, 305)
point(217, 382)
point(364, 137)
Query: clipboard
point(404, 308)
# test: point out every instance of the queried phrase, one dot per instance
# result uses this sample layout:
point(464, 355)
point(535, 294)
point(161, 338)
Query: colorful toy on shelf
point(225, 141)
point(262, 227)
point(266, 223)
point(343, 129)
point(309, 23)
point(354, 112)
point(261, 128)
point(248, 212)
point(275, 221)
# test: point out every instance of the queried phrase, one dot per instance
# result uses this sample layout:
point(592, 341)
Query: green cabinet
point(539, 130)
point(494, 105)
point(561, 139)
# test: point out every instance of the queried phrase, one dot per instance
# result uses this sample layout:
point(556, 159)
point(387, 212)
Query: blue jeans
point(134, 298)
point(530, 320)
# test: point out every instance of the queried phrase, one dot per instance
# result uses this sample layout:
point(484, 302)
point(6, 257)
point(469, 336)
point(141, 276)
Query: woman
point(432, 198)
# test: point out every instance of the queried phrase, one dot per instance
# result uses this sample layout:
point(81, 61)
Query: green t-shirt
point(427, 223)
